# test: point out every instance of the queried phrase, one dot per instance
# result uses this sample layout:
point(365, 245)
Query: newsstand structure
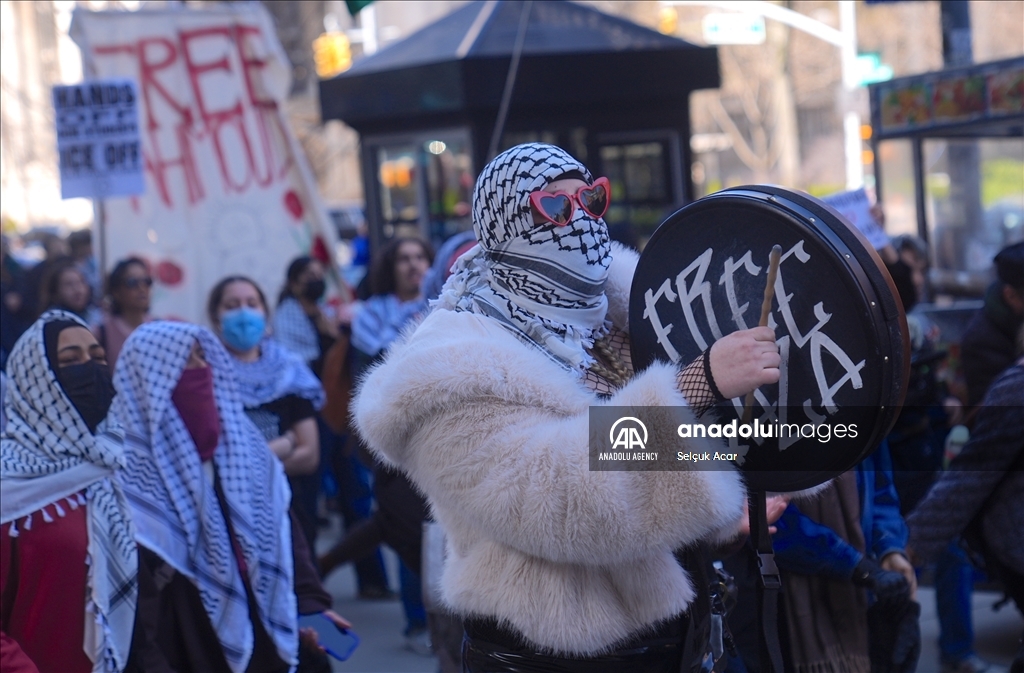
point(611, 92)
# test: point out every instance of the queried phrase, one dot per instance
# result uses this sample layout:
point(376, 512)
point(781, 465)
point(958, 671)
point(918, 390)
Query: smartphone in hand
point(337, 642)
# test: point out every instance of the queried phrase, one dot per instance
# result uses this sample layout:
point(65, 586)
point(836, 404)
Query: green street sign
point(870, 69)
point(355, 6)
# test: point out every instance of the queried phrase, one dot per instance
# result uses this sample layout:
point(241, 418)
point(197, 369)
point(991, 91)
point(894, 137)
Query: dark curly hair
point(50, 287)
point(382, 273)
point(116, 278)
point(295, 269)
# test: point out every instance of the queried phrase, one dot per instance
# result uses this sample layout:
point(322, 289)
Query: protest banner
point(98, 139)
point(228, 189)
point(856, 208)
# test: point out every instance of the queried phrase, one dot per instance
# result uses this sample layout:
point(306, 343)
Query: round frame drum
point(838, 321)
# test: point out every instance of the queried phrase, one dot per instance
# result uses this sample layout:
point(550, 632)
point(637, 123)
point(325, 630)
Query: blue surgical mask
point(242, 328)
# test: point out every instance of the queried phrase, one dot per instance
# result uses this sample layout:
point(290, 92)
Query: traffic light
point(668, 20)
point(332, 54)
point(867, 155)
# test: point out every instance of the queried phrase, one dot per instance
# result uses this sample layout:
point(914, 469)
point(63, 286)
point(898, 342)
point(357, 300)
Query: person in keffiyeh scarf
point(69, 559)
point(545, 285)
point(210, 503)
point(486, 407)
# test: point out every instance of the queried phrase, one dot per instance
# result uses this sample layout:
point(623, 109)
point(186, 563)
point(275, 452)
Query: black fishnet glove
point(698, 386)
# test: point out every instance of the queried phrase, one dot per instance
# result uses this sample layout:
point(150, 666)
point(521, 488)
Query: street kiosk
point(949, 167)
point(612, 93)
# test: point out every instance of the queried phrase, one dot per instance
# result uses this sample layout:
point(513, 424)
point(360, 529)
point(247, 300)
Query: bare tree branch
point(739, 143)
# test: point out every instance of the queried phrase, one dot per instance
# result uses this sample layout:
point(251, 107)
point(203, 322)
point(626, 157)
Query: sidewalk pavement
point(379, 625)
point(996, 634)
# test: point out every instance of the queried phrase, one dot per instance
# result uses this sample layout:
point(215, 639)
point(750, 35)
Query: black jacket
point(985, 483)
point(989, 344)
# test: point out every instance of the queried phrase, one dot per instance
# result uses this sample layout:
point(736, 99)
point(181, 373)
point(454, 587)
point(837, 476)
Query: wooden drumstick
point(766, 308)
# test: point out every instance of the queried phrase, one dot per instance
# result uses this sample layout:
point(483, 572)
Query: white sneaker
point(418, 641)
point(972, 664)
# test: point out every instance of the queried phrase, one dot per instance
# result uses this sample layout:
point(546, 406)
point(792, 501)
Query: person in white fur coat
point(485, 406)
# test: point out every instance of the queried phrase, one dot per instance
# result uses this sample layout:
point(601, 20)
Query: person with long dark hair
point(302, 325)
point(396, 297)
point(65, 288)
point(281, 397)
point(68, 558)
point(280, 392)
point(128, 292)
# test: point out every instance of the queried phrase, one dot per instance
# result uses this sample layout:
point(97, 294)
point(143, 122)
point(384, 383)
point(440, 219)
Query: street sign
point(98, 139)
point(870, 69)
point(733, 28)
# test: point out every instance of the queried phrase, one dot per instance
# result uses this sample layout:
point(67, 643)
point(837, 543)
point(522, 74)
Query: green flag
point(354, 6)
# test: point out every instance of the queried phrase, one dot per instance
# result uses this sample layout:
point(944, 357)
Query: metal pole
point(101, 235)
point(368, 21)
point(851, 118)
point(919, 194)
point(845, 38)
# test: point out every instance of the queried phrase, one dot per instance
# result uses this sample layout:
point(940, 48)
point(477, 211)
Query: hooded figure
point(485, 407)
point(210, 503)
point(68, 550)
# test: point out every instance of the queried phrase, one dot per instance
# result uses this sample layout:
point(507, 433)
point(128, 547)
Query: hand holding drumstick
point(742, 362)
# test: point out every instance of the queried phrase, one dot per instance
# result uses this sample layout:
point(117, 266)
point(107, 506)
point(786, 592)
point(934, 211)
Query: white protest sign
point(856, 208)
point(98, 139)
point(228, 189)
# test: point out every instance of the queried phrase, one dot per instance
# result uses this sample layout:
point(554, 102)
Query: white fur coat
point(496, 436)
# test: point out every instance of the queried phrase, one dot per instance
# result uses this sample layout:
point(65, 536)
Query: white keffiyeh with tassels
point(48, 455)
point(174, 504)
point(543, 283)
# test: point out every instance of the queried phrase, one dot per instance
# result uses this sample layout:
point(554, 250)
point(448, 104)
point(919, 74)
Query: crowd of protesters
point(174, 476)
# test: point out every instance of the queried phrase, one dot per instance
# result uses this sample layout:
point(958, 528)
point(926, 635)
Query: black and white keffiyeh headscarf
point(543, 283)
point(278, 372)
point(47, 454)
point(175, 506)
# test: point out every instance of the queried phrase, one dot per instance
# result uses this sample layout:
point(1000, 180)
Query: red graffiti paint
point(169, 273)
point(318, 250)
point(293, 204)
point(246, 135)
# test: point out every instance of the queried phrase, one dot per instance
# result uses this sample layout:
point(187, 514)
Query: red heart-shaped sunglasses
point(559, 207)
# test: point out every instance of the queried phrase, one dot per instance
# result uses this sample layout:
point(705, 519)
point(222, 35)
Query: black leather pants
point(488, 648)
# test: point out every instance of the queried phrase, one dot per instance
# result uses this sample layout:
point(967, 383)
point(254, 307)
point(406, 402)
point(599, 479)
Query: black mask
point(903, 278)
point(90, 389)
point(314, 289)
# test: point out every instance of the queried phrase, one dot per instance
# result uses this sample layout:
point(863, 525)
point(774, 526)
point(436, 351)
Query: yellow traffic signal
point(668, 20)
point(331, 54)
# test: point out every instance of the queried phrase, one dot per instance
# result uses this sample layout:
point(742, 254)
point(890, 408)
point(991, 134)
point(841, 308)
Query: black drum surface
point(838, 321)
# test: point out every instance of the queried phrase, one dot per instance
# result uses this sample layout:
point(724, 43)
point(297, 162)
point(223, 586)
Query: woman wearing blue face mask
point(280, 392)
point(281, 396)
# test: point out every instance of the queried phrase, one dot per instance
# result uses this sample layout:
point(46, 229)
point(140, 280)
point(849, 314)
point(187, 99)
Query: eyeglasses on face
point(136, 283)
point(559, 207)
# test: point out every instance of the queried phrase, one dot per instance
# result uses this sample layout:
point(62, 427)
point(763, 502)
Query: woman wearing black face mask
point(301, 323)
point(68, 559)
